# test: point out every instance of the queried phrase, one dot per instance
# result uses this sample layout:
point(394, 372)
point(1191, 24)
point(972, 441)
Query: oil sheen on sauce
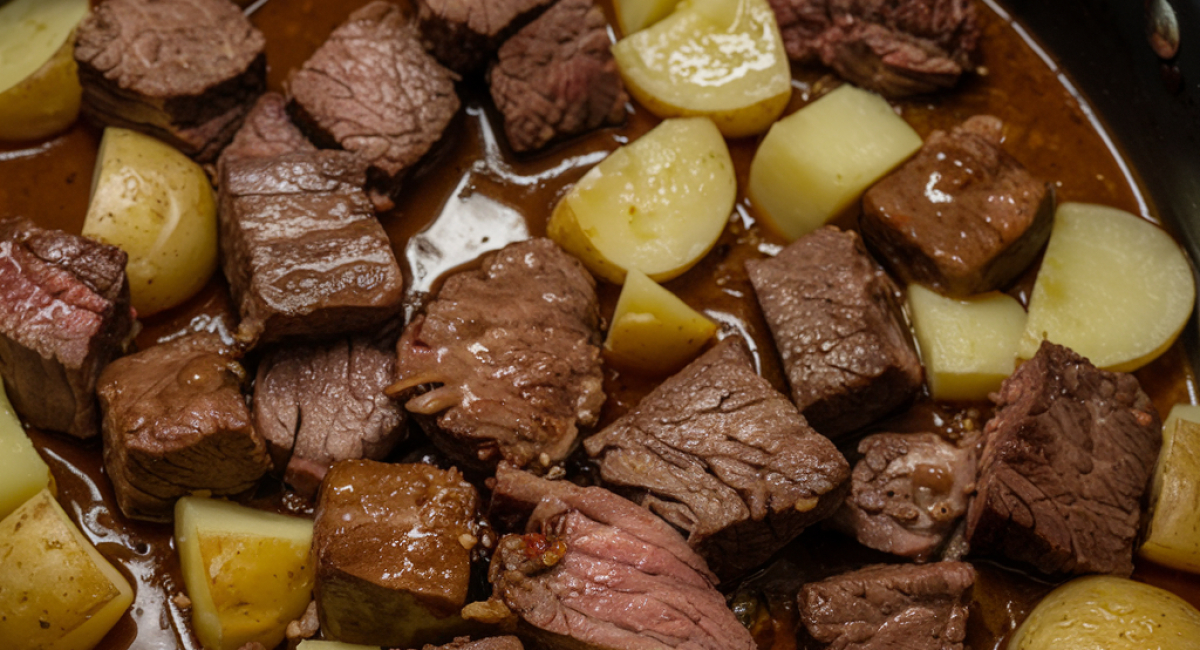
point(472, 195)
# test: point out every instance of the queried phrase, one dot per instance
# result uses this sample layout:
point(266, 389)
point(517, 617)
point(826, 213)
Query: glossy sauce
point(472, 195)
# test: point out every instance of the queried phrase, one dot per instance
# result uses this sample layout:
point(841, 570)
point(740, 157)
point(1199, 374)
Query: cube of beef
point(176, 423)
point(321, 403)
point(493, 643)
point(372, 90)
point(908, 492)
point(514, 351)
point(836, 320)
point(556, 77)
point(266, 133)
point(64, 314)
point(883, 607)
point(962, 217)
point(393, 549)
point(596, 571)
point(184, 71)
point(463, 34)
point(719, 453)
point(302, 250)
point(1065, 463)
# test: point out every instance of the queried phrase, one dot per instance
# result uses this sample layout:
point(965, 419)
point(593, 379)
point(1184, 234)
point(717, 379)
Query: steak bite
point(64, 314)
point(176, 423)
point(321, 403)
point(266, 133)
point(836, 320)
point(184, 71)
point(596, 571)
point(557, 77)
point(302, 250)
point(514, 351)
point(393, 549)
point(372, 90)
point(720, 454)
point(463, 34)
point(885, 606)
point(493, 643)
point(962, 216)
point(1066, 460)
point(907, 493)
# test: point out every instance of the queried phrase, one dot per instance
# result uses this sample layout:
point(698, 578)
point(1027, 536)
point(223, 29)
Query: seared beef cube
point(64, 314)
point(302, 249)
point(884, 607)
point(318, 404)
point(463, 34)
point(266, 133)
point(908, 493)
point(836, 320)
point(962, 217)
point(894, 47)
point(556, 77)
point(514, 349)
point(1065, 463)
point(372, 90)
point(494, 643)
point(598, 572)
point(184, 71)
point(393, 550)
point(176, 423)
point(719, 453)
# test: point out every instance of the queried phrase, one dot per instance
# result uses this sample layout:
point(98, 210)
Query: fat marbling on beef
point(267, 132)
point(463, 34)
point(513, 349)
point(556, 77)
point(64, 314)
point(719, 453)
point(184, 71)
point(1066, 460)
point(835, 317)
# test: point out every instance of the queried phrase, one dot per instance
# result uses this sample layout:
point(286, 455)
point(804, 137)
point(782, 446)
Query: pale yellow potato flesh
point(248, 572)
point(723, 59)
point(1109, 613)
point(1112, 287)
point(39, 88)
point(23, 473)
point(56, 591)
point(157, 205)
point(657, 204)
point(636, 15)
point(815, 163)
point(1173, 532)
point(967, 346)
point(652, 329)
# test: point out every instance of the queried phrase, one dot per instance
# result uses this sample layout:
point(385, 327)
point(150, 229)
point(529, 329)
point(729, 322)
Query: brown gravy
point(472, 195)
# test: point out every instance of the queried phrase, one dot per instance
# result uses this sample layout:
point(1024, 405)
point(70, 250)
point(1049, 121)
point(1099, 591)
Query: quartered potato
point(652, 329)
point(723, 59)
point(1112, 287)
point(657, 205)
point(56, 591)
point(39, 89)
point(636, 15)
point(248, 572)
point(23, 473)
point(817, 162)
point(157, 205)
point(1173, 533)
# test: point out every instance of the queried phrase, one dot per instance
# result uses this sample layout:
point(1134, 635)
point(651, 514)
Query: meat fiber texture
point(492, 643)
point(723, 456)
point(512, 351)
point(64, 315)
point(556, 77)
point(184, 71)
point(176, 423)
point(1066, 460)
point(596, 571)
point(267, 132)
point(464, 34)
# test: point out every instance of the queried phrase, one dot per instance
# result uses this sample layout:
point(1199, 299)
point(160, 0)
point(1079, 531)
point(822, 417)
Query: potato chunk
point(56, 590)
point(817, 162)
point(1173, 534)
point(23, 473)
point(652, 329)
point(657, 205)
point(39, 89)
point(157, 205)
point(248, 573)
point(723, 59)
point(1114, 288)
point(636, 15)
point(1110, 613)
point(967, 346)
